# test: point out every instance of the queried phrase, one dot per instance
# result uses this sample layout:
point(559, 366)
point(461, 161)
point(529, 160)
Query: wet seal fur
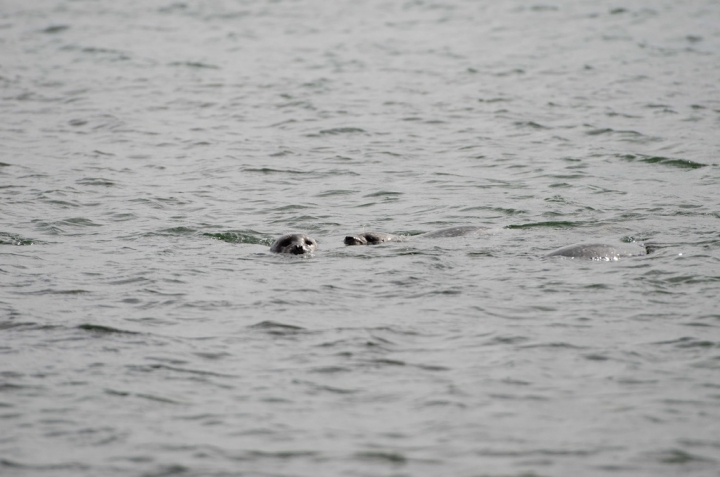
point(599, 251)
point(374, 238)
point(295, 244)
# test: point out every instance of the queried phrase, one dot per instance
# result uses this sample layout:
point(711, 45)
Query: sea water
point(151, 151)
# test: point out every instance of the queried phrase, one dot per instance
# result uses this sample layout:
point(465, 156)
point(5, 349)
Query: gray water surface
point(151, 151)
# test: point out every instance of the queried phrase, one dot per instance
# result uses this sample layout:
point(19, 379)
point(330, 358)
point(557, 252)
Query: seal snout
point(298, 249)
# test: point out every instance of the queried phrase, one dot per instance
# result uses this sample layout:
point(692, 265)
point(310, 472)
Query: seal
point(374, 238)
point(459, 231)
point(370, 238)
point(296, 244)
point(599, 251)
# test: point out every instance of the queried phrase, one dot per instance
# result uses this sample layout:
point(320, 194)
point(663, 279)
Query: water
point(152, 151)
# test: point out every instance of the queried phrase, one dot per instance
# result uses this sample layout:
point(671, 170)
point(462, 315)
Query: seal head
point(295, 244)
point(369, 238)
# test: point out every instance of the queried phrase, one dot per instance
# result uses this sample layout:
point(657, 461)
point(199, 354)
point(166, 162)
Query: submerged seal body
point(454, 231)
point(296, 244)
point(599, 251)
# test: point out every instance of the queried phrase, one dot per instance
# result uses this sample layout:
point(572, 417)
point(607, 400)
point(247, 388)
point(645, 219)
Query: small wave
point(11, 325)
point(598, 132)
point(530, 124)
point(50, 291)
point(268, 170)
point(677, 456)
point(63, 203)
point(391, 457)
point(506, 340)
point(330, 370)
point(387, 362)
point(688, 342)
point(279, 454)
point(384, 193)
point(175, 231)
point(335, 131)
point(198, 372)
point(79, 222)
point(104, 329)
point(14, 239)
point(553, 345)
point(194, 64)
point(562, 224)
point(282, 154)
point(325, 388)
point(329, 193)
point(55, 29)
point(432, 367)
point(240, 237)
point(500, 210)
point(73, 466)
point(151, 397)
point(95, 181)
point(275, 326)
point(665, 161)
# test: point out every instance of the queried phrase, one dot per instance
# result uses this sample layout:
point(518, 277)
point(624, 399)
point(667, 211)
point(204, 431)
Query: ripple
point(347, 130)
point(382, 456)
point(78, 222)
point(562, 224)
point(194, 64)
point(679, 457)
point(104, 329)
point(664, 161)
point(96, 181)
point(55, 29)
point(15, 239)
point(278, 328)
point(268, 170)
point(324, 388)
point(249, 236)
point(52, 291)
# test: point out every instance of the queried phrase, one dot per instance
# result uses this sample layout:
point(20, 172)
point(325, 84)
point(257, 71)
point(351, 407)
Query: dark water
point(151, 152)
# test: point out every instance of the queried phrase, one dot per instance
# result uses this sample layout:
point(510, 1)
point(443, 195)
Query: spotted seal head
point(370, 238)
point(599, 251)
point(296, 244)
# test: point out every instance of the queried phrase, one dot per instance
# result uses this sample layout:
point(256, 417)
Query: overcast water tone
point(152, 151)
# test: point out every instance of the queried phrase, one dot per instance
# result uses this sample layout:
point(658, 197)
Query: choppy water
point(152, 150)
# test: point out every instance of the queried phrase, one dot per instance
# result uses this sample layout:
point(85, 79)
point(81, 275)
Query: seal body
point(454, 231)
point(370, 238)
point(296, 244)
point(599, 251)
point(374, 238)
